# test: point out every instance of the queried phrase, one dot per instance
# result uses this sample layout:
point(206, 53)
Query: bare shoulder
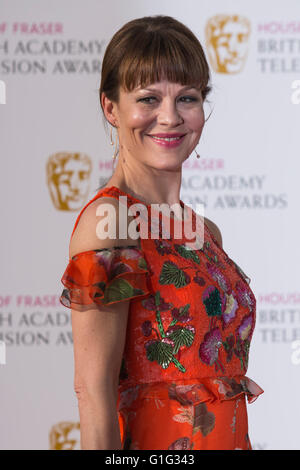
point(215, 230)
point(99, 216)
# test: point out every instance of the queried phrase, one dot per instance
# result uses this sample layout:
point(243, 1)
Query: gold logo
point(65, 436)
point(226, 38)
point(68, 178)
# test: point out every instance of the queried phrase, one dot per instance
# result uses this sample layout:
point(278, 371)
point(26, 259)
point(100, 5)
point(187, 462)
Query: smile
point(167, 141)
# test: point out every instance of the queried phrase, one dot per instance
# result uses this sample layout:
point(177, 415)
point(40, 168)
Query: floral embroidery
point(224, 307)
point(212, 301)
point(245, 296)
point(218, 276)
point(211, 254)
point(229, 310)
point(187, 254)
point(245, 327)
point(228, 345)
point(199, 280)
point(163, 247)
point(172, 274)
point(209, 349)
point(167, 344)
point(239, 348)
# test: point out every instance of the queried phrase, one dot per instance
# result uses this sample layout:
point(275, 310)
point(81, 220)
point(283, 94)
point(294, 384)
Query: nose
point(168, 113)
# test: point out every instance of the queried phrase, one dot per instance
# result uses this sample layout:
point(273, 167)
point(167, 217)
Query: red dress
point(191, 318)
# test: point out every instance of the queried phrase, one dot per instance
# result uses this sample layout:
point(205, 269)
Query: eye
point(191, 98)
point(147, 98)
point(186, 99)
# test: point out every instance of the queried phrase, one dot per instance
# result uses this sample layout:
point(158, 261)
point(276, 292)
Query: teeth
point(168, 139)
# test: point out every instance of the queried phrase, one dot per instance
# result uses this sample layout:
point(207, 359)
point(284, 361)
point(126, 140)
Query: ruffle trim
point(103, 277)
point(194, 391)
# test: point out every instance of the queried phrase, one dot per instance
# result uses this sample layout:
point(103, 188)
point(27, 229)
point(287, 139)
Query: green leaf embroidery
point(163, 349)
point(181, 337)
point(213, 303)
point(187, 254)
point(171, 274)
point(160, 352)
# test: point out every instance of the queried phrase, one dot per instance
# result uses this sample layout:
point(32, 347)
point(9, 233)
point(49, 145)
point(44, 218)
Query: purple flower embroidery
point(171, 329)
point(245, 328)
point(245, 295)
point(199, 280)
point(163, 247)
point(218, 276)
point(168, 341)
point(149, 304)
point(181, 314)
point(209, 348)
point(229, 312)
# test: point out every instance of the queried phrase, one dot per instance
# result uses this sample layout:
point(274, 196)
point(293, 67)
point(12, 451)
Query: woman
point(161, 331)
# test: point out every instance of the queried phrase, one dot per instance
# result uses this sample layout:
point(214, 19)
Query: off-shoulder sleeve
point(103, 277)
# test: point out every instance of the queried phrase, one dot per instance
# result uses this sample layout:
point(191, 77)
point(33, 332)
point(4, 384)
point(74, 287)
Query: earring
point(197, 154)
point(112, 143)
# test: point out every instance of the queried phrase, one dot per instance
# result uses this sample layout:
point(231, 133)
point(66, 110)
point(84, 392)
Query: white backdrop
point(248, 176)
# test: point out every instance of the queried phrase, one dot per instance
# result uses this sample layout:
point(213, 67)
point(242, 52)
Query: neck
point(149, 185)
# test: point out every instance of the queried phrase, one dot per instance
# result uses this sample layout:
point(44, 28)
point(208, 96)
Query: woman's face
point(161, 109)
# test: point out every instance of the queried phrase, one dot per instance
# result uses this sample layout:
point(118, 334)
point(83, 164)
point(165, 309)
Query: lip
point(165, 143)
point(166, 135)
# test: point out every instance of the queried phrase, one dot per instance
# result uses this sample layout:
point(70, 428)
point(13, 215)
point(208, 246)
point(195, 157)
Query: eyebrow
point(188, 87)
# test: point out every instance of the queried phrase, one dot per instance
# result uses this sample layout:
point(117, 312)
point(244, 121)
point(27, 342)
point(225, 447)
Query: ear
point(109, 109)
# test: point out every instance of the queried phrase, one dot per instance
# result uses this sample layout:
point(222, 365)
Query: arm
point(99, 339)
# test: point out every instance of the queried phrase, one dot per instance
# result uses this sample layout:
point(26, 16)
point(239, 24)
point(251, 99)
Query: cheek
point(196, 121)
point(137, 118)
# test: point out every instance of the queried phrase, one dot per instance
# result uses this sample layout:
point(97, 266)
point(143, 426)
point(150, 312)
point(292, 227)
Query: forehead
point(165, 86)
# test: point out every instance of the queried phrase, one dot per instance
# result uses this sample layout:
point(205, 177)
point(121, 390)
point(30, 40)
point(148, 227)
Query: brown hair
point(150, 49)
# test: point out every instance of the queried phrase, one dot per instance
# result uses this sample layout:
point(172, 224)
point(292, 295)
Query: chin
point(167, 165)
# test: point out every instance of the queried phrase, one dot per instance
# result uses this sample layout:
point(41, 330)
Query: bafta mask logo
point(226, 39)
point(68, 178)
point(65, 436)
